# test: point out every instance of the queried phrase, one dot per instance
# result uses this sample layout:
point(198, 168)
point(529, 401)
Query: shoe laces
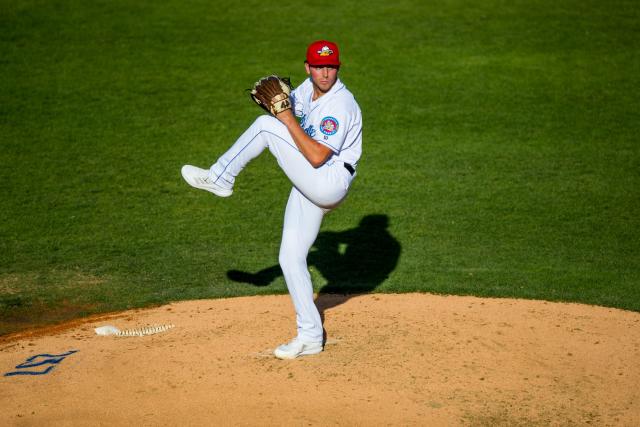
point(206, 179)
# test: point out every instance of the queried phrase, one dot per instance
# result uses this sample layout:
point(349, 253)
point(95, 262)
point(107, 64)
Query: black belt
point(350, 168)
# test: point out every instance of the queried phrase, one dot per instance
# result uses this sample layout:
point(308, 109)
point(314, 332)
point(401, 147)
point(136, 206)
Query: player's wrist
point(287, 118)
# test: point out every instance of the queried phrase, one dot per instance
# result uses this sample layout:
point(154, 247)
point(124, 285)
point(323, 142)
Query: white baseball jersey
point(333, 120)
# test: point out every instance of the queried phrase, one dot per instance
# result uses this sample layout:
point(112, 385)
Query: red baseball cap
point(323, 52)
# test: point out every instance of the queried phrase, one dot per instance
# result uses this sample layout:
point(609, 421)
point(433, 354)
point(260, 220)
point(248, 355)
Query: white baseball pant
point(315, 192)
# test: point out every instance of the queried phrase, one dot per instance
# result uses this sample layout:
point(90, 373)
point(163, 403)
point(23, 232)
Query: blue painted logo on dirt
point(35, 365)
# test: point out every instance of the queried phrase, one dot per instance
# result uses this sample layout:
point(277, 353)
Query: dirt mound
point(411, 359)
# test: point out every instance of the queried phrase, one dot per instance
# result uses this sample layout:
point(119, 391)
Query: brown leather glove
point(272, 94)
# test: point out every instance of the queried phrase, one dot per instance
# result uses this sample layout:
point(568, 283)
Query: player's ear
point(306, 67)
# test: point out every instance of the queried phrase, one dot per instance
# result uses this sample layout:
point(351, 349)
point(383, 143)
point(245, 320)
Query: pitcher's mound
point(411, 359)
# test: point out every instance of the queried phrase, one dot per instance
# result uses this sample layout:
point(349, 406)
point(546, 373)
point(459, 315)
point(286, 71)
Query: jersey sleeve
point(297, 99)
point(296, 105)
point(332, 124)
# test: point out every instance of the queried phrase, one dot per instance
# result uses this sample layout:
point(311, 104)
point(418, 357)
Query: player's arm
point(317, 154)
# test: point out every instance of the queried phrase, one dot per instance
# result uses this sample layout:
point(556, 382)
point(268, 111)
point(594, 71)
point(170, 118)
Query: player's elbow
point(320, 157)
point(317, 163)
point(319, 160)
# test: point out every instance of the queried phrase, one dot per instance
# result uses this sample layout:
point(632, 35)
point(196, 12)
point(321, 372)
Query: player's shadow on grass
point(353, 261)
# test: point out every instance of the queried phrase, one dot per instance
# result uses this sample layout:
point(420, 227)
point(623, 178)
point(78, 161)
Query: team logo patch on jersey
point(329, 126)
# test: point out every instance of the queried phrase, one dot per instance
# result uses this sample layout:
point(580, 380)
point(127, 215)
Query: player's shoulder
point(344, 97)
point(305, 87)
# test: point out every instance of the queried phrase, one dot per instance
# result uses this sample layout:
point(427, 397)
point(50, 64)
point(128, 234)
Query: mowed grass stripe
point(500, 148)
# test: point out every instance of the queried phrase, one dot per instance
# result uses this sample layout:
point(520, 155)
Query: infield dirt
point(411, 359)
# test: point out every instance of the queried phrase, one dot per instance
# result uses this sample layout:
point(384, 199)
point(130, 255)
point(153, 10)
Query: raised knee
point(265, 121)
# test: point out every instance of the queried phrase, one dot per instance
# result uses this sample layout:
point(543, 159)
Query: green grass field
point(501, 151)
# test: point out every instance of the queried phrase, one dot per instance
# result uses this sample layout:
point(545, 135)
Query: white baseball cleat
point(297, 348)
point(199, 178)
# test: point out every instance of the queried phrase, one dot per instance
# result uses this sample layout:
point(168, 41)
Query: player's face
point(323, 77)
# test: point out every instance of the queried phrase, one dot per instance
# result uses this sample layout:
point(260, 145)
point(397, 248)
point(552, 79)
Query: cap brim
point(316, 64)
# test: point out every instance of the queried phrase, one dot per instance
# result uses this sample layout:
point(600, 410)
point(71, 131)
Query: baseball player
point(319, 153)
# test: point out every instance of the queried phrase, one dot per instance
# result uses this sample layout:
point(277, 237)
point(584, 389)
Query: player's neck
point(317, 92)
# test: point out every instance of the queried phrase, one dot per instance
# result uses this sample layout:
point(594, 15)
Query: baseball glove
point(272, 94)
